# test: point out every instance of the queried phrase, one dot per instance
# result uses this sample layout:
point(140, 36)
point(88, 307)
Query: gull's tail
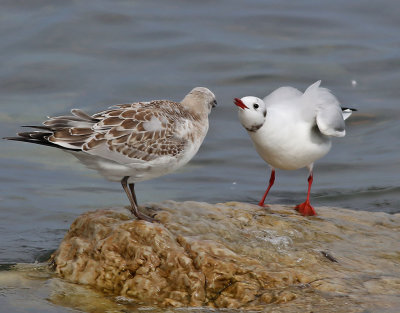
point(346, 112)
point(65, 132)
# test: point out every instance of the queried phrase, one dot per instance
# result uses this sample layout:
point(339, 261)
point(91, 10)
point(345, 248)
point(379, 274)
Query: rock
point(236, 255)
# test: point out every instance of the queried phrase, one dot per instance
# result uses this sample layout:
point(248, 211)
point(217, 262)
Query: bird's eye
point(255, 105)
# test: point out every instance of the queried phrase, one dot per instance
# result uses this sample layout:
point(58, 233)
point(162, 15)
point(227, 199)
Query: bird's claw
point(141, 216)
point(305, 209)
point(146, 218)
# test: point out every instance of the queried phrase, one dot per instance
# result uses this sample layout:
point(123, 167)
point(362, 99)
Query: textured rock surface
point(237, 255)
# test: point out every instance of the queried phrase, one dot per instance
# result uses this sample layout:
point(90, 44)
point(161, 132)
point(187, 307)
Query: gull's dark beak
point(240, 103)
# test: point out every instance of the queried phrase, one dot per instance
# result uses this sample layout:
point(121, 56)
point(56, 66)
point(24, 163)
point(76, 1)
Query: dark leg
point(132, 188)
point(132, 199)
point(271, 182)
point(305, 208)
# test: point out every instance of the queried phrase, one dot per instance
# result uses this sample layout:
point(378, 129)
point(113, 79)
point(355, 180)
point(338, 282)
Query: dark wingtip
point(27, 137)
point(16, 138)
point(37, 127)
point(351, 109)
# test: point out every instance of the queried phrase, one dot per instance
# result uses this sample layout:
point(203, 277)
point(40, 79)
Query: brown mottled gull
point(131, 142)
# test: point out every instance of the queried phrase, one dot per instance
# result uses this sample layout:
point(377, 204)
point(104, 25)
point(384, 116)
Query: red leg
point(305, 208)
point(271, 182)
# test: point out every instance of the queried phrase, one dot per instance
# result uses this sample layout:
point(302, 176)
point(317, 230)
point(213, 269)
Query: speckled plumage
point(131, 142)
point(142, 131)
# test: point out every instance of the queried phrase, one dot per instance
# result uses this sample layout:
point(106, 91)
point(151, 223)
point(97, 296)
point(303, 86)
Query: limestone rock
point(234, 255)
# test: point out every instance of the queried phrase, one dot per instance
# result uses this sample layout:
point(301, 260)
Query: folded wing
point(125, 133)
point(329, 117)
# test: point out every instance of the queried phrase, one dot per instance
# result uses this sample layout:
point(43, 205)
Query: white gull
point(291, 130)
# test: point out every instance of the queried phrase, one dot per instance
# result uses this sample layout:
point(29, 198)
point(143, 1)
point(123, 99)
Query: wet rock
point(236, 255)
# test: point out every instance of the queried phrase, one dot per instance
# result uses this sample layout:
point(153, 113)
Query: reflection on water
point(59, 55)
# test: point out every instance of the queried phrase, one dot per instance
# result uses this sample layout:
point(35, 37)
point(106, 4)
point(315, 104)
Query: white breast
point(287, 142)
point(114, 166)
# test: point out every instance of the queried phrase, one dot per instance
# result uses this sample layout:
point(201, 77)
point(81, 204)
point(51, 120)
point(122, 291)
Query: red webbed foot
point(305, 209)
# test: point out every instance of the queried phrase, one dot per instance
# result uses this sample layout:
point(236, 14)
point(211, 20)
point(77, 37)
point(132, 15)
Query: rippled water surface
point(58, 55)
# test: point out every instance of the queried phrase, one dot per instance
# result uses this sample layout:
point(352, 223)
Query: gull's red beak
point(240, 103)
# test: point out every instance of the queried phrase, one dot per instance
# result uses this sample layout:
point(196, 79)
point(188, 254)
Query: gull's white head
point(252, 112)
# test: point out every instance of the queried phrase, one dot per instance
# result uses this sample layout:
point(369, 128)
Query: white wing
point(329, 117)
point(282, 94)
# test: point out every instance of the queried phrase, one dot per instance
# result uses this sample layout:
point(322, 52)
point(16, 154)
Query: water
point(58, 55)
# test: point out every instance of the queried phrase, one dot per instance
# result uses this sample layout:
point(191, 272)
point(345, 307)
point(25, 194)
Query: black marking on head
point(254, 128)
point(265, 113)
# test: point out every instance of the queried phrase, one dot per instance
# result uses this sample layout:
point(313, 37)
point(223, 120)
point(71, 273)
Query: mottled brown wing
point(143, 131)
point(69, 132)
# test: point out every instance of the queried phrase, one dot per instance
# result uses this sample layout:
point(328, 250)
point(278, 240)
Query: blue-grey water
point(57, 55)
